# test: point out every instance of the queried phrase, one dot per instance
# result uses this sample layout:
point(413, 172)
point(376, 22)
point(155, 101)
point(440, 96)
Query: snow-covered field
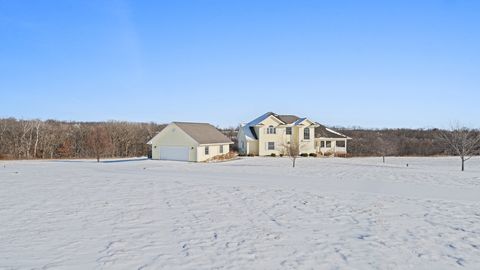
point(253, 213)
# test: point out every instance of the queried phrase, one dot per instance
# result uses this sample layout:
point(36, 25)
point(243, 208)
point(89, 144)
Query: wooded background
point(395, 142)
point(50, 139)
point(28, 139)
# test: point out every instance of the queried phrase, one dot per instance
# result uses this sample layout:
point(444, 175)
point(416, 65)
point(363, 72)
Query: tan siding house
point(271, 133)
point(193, 142)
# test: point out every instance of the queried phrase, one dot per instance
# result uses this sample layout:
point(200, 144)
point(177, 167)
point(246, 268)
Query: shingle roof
point(287, 119)
point(203, 133)
point(323, 132)
point(320, 131)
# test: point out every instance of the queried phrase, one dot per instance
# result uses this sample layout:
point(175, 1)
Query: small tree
point(98, 141)
point(462, 141)
point(292, 150)
point(384, 147)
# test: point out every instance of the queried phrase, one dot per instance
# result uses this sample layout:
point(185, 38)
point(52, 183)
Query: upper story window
point(306, 133)
point(271, 130)
point(288, 131)
point(207, 150)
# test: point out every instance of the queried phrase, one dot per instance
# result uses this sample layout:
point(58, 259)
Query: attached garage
point(189, 142)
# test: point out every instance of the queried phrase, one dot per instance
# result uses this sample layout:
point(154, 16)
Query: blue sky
point(343, 63)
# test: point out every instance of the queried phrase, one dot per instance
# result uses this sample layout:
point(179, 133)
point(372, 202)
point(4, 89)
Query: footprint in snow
point(362, 236)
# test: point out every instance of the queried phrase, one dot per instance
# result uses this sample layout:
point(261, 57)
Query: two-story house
point(272, 133)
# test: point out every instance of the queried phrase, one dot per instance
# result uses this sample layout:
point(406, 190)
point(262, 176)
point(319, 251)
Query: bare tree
point(462, 141)
point(403, 142)
point(4, 140)
point(34, 138)
point(292, 150)
point(98, 141)
point(38, 124)
point(384, 147)
point(3, 128)
point(26, 138)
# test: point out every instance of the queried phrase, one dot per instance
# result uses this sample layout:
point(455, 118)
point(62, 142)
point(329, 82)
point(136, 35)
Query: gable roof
point(162, 127)
point(203, 133)
point(323, 132)
point(260, 119)
point(299, 121)
point(285, 119)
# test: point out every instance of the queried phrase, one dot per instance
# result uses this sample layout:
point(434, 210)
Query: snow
point(300, 120)
point(337, 133)
point(259, 119)
point(253, 213)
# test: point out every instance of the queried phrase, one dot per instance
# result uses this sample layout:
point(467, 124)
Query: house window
point(288, 131)
point(340, 143)
point(306, 133)
point(329, 144)
point(207, 150)
point(322, 144)
point(271, 145)
point(271, 130)
point(221, 149)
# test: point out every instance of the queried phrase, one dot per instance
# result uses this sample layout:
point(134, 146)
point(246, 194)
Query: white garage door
point(174, 153)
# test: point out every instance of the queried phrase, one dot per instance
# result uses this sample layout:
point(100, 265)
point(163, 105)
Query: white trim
point(333, 139)
point(338, 133)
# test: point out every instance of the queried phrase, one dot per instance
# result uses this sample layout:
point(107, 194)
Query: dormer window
point(271, 130)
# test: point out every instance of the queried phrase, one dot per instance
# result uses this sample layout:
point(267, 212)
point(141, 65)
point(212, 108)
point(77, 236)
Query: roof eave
point(220, 143)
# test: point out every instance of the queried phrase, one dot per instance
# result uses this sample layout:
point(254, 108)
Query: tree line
point(402, 142)
point(395, 142)
point(457, 141)
point(36, 139)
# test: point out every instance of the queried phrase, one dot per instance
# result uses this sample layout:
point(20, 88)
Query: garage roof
point(203, 133)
